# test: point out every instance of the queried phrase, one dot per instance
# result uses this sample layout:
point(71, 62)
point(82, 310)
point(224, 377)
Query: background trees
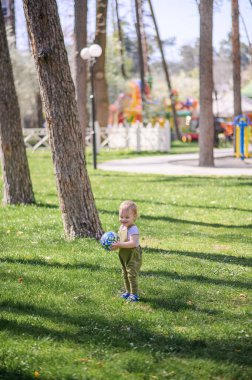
point(183, 73)
point(183, 69)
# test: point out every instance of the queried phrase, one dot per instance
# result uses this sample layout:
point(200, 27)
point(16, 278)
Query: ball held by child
point(108, 238)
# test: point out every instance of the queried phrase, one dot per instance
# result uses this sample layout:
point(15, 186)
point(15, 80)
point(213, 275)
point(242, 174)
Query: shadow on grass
point(50, 264)
point(97, 331)
point(221, 258)
point(196, 181)
point(47, 205)
point(178, 205)
point(193, 222)
point(177, 304)
point(182, 221)
point(15, 374)
point(194, 278)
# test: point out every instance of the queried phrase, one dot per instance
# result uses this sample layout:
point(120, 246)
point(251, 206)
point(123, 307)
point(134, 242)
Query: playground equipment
point(241, 123)
point(187, 112)
point(128, 105)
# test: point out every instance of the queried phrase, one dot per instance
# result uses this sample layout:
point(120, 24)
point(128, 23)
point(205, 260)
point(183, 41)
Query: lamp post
point(90, 54)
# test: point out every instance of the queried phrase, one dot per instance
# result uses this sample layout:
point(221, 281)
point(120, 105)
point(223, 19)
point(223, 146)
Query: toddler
point(130, 252)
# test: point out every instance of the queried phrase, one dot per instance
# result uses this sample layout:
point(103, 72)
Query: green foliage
point(189, 57)
point(225, 51)
point(115, 80)
point(61, 317)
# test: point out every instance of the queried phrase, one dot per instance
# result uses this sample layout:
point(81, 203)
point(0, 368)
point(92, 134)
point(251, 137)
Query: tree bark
point(139, 29)
point(39, 111)
point(236, 58)
point(79, 214)
point(16, 175)
point(167, 76)
point(120, 36)
point(206, 136)
point(100, 84)
point(80, 41)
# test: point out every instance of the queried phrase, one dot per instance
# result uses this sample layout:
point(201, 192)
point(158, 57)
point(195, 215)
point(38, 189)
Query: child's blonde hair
point(129, 205)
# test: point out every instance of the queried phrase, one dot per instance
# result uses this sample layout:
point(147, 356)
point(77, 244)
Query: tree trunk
point(139, 29)
point(167, 76)
point(100, 84)
point(120, 36)
point(80, 41)
point(16, 175)
point(206, 141)
point(39, 111)
point(77, 205)
point(236, 58)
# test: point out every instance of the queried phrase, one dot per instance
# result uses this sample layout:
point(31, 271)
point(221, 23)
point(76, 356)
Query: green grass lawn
point(61, 315)
point(177, 147)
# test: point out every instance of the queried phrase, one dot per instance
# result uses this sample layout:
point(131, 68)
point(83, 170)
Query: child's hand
point(115, 246)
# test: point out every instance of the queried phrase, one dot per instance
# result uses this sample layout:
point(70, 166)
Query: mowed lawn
point(60, 312)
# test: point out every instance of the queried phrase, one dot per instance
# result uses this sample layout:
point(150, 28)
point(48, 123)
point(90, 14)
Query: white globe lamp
point(85, 54)
point(95, 51)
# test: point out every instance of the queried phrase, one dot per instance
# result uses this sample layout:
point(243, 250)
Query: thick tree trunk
point(206, 142)
point(16, 175)
point(100, 84)
point(77, 205)
point(236, 58)
point(80, 41)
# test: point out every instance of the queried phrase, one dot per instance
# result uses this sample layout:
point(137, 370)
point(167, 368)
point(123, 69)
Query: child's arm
point(132, 243)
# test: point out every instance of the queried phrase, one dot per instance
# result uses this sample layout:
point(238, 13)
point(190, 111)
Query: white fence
point(138, 137)
point(36, 138)
point(135, 136)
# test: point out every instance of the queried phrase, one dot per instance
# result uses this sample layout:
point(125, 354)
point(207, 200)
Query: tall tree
point(139, 29)
point(120, 36)
point(236, 58)
point(100, 84)
point(80, 41)
point(166, 71)
point(77, 204)
point(206, 122)
point(16, 175)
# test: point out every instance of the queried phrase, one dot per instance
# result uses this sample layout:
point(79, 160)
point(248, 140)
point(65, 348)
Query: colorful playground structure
point(128, 105)
point(128, 109)
point(242, 134)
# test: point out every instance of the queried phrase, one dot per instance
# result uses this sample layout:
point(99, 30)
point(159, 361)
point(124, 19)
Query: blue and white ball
point(108, 238)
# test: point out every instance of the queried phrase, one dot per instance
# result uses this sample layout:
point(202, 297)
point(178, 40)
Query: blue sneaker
point(125, 295)
point(133, 298)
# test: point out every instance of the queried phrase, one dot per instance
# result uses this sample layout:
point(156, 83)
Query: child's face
point(126, 217)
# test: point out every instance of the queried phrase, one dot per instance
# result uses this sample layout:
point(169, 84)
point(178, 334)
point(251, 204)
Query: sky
point(175, 18)
point(181, 18)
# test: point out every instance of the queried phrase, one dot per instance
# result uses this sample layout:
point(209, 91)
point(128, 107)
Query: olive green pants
point(131, 260)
